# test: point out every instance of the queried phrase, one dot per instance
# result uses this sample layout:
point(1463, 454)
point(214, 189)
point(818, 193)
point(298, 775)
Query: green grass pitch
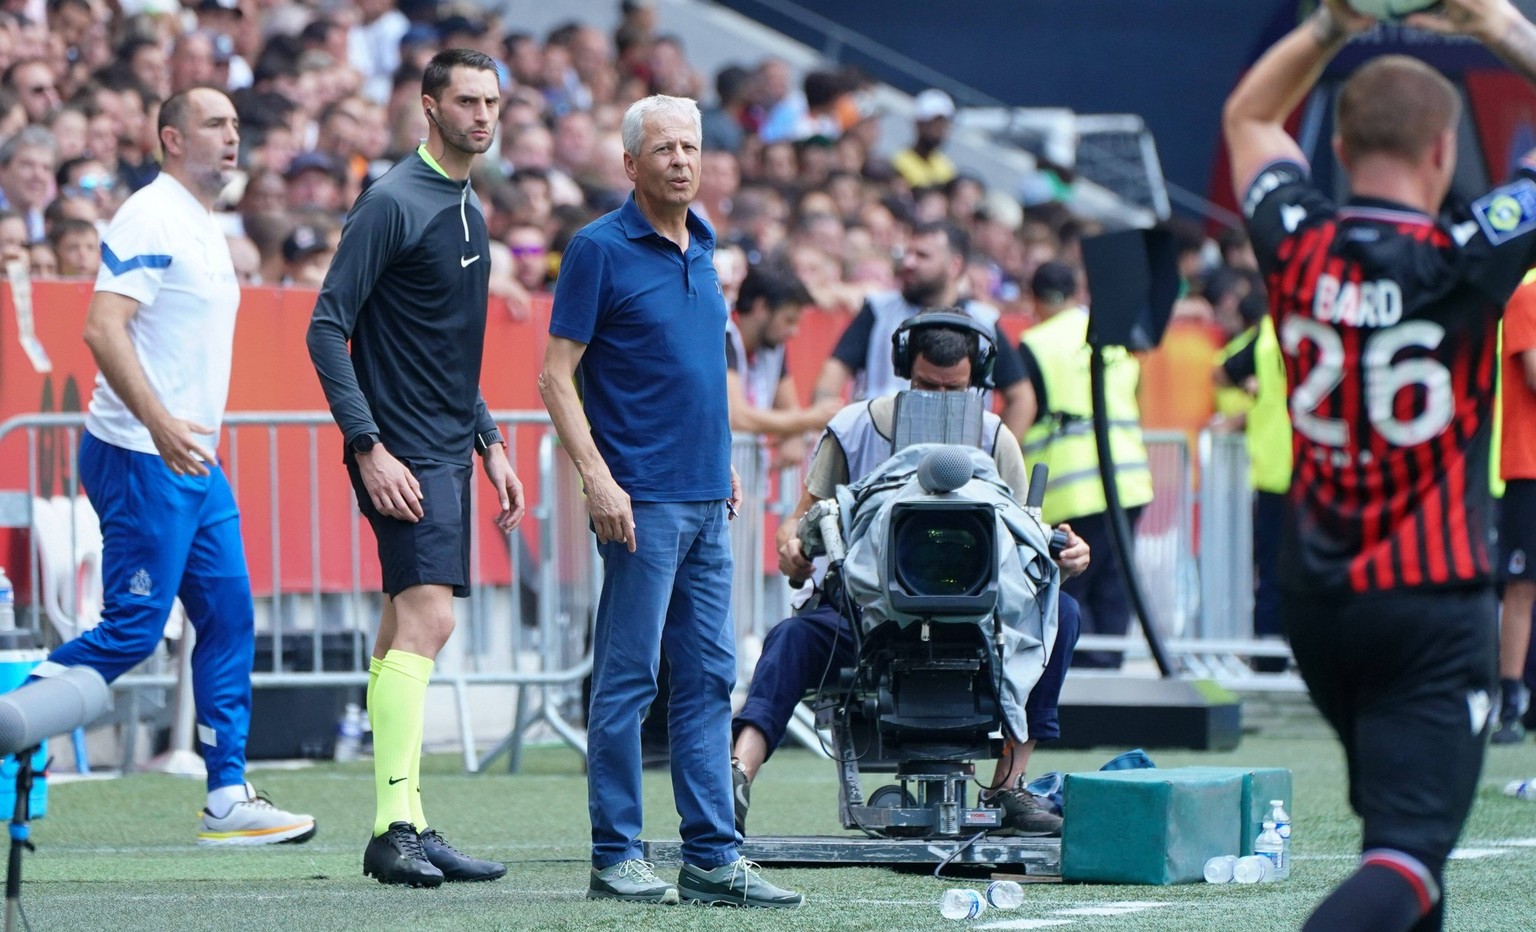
point(119, 854)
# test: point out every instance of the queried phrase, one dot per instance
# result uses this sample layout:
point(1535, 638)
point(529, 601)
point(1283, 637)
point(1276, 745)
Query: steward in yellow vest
point(1062, 435)
point(1056, 355)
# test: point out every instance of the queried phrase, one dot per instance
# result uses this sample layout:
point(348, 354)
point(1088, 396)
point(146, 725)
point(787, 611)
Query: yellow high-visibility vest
point(1233, 400)
point(1269, 423)
point(1062, 436)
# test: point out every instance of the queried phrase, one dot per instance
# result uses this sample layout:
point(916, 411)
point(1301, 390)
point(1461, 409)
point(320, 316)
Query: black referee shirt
point(408, 290)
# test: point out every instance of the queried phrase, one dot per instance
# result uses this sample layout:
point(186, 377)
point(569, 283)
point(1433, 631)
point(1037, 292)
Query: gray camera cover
point(1028, 580)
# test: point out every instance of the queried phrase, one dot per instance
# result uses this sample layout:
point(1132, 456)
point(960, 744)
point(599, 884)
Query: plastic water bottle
point(1282, 820)
point(1252, 869)
point(349, 733)
point(962, 903)
point(1270, 845)
point(1220, 868)
point(1521, 789)
point(7, 602)
point(1005, 894)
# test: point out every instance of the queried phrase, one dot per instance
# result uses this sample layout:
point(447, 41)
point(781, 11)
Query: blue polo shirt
point(652, 379)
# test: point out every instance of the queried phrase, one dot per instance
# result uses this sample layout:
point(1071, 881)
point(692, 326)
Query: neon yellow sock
point(418, 818)
point(398, 697)
point(375, 664)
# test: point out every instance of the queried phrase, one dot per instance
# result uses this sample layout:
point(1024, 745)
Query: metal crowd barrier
point(530, 634)
point(1163, 548)
point(762, 595)
point(1200, 585)
point(1226, 640)
point(529, 630)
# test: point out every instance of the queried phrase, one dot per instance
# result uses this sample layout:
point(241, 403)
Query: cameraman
point(801, 649)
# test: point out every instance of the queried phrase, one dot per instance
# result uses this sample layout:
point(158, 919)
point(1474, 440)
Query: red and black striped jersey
point(1388, 319)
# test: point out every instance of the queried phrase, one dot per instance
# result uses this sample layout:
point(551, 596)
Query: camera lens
point(942, 553)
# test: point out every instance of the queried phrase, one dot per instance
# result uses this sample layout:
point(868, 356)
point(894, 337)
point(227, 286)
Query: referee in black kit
point(408, 290)
point(1387, 315)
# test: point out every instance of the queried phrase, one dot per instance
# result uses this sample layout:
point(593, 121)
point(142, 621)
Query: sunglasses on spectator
point(527, 250)
point(86, 184)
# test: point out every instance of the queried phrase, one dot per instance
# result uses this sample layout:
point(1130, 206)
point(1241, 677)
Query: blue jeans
point(801, 649)
point(673, 591)
point(165, 536)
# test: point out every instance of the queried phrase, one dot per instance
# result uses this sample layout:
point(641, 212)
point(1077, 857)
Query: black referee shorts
point(1408, 680)
point(1517, 530)
point(434, 550)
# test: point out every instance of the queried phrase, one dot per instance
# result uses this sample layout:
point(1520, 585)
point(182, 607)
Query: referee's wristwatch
point(364, 443)
point(484, 442)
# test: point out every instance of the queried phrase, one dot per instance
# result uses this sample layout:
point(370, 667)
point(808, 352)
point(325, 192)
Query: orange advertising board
point(272, 373)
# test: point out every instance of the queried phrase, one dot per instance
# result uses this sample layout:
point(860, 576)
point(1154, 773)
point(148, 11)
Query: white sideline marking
point(59, 778)
point(1112, 909)
point(1026, 924)
point(365, 888)
point(1473, 854)
point(331, 848)
point(1507, 842)
point(294, 764)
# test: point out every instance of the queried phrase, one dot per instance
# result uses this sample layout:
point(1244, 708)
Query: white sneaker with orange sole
point(255, 821)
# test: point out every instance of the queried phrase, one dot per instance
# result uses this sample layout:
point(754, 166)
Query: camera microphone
point(1038, 477)
point(51, 706)
point(1037, 481)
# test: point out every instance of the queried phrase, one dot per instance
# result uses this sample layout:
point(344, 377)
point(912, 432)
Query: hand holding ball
point(1390, 9)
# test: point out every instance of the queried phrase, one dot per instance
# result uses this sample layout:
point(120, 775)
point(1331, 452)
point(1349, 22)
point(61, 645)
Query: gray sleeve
point(373, 235)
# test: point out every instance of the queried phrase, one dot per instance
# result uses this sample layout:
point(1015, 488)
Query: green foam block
point(1147, 826)
point(1260, 785)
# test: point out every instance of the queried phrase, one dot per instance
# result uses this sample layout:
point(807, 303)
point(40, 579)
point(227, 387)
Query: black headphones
point(948, 319)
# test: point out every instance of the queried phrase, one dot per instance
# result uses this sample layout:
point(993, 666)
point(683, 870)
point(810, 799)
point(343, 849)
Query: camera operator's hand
point(792, 563)
point(1074, 557)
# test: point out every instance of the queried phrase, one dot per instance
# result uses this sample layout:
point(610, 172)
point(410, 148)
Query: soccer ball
point(1390, 9)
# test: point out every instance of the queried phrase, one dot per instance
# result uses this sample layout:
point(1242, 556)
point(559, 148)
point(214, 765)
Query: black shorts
point(1517, 530)
point(434, 550)
point(1408, 680)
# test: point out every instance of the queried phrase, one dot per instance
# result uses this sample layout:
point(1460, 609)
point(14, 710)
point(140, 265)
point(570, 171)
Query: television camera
point(951, 589)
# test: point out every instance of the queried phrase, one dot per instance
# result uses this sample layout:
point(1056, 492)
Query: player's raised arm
point(1253, 120)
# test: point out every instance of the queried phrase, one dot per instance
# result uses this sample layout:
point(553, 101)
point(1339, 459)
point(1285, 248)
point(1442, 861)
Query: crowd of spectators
point(328, 95)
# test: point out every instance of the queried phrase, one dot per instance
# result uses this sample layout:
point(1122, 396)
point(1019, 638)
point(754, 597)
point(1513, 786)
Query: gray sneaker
point(741, 789)
point(1023, 816)
point(738, 883)
point(633, 881)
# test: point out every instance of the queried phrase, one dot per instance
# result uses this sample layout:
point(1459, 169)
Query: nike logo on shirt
point(465, 263)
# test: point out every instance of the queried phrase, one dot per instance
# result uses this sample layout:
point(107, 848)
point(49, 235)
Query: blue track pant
point(165, 536)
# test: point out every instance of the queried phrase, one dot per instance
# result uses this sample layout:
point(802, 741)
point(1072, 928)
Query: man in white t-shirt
point(161, 326)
